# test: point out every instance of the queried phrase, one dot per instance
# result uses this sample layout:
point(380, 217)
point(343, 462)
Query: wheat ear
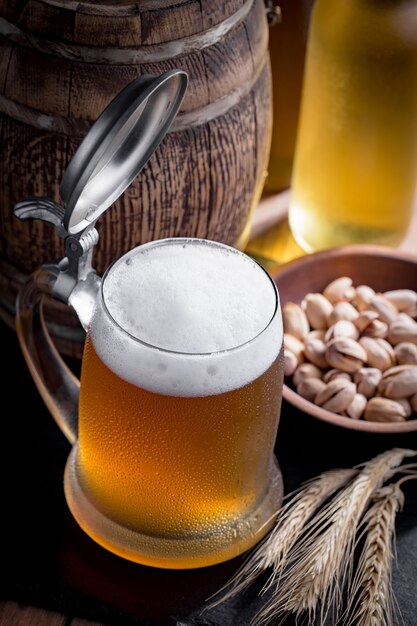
point(290, 520)
point(371, 598)
point(322, 560)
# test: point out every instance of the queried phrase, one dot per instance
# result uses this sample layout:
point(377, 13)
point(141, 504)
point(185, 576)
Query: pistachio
point(336, 395)
point(412, 311)
point(295, 320)
point(294, 345)
point(342, 311)
point(339, 290)
point(356, 408)
point(406, 406)
point(342, 328)
point(369, 325)
point(310, 387)
point(315, 351)
point(345, 354)
point(384, 410)
point(403, 299)
point(363, 296)
point(306, 370)
point(317, 309)
point(364, 319)
point(399, 382)
point(405, 317)
point(290, 362)
point(334, 373)
point(369, 342)
point(385, 309)
point(367, 380)
point(316, 334)
point(402, 329)
point(376, 329)
point(406, 353)
point(380, 353)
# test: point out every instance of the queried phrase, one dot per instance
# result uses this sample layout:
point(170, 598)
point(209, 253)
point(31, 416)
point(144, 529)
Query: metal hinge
point(273, 12)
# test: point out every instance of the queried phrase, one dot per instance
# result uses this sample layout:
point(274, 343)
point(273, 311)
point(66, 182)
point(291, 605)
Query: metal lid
point(118, 145)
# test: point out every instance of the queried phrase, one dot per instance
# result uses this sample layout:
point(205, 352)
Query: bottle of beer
point(355, 165)
point(287, 47)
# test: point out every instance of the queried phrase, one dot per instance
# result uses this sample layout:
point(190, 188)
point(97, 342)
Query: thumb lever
point(76, 265)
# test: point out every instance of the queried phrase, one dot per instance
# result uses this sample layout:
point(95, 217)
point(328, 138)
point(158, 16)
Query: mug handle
point(58, 386)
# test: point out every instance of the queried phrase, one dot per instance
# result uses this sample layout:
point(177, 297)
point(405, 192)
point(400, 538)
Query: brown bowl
point(381, 268)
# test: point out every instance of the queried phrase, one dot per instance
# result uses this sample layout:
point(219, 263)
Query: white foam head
point(193, 318)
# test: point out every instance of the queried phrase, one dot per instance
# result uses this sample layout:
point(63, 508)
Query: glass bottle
point(355, 165)
point(287, 47)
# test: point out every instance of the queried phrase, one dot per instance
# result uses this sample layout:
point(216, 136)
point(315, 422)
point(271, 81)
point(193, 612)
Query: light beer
point(355, 169)
point(180, 397)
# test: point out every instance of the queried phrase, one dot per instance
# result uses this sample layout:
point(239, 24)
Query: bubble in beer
point(193, 301)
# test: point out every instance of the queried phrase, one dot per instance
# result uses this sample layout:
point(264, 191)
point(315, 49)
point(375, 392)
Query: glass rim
point(193, 241)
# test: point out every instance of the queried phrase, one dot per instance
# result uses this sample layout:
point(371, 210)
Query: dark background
point(47, 560)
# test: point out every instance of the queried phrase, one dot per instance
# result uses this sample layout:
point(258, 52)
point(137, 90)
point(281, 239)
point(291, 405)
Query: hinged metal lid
point(118, 145)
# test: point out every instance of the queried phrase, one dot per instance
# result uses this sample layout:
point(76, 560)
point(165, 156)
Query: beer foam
point(193, 318)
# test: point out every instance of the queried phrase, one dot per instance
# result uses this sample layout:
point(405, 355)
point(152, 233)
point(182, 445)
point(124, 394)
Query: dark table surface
point(48, 561)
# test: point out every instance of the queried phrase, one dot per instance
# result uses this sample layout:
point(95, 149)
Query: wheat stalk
point(322, 560)
point(290, 521)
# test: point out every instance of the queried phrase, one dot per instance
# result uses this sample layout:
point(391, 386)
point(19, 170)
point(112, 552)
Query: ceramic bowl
point(381, 268)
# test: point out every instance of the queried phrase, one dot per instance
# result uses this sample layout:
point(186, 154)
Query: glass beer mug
point(174, 420)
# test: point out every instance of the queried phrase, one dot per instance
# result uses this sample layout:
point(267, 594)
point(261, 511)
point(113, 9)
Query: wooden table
point(54, 575)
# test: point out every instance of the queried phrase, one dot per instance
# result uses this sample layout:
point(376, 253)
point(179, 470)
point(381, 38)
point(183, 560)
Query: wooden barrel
point(62, 61)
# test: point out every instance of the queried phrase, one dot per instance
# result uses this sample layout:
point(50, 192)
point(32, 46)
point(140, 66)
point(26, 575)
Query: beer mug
point(174, 420)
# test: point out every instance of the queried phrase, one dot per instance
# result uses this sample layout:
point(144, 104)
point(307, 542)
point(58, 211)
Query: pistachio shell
point(310, 387)
point(402, 329)
point(345, 354)
point(399, 382)
point(385, 309)
point(406, 406)
point(316, 334)
point(294, 345)
point(402, 299)
point(342, 328)
point(356, 408)
point(367, 380)
point(363, 296)
point(334, 373)
point(317, 309)
point(412, 311)
point(295, 320)
point(376, 329)
point(369, 325)
point(342, 311)
point(406, 353)
point(380, 353)
point(306, 370)
point(364, 319)
point(339, 290)
point(315, 351)
point(384, 410)
point(336, 395)
point(290, 362)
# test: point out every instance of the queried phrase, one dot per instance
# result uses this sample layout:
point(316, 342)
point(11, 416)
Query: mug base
point(172, 552)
